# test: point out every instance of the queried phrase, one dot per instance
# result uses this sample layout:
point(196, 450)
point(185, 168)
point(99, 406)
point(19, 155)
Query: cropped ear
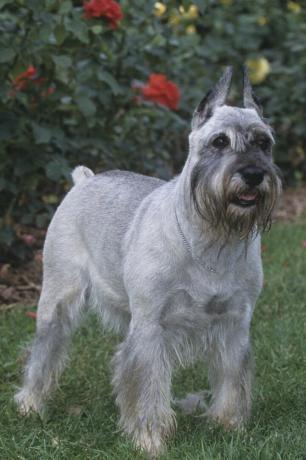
point(216, 97)
point(250, 101)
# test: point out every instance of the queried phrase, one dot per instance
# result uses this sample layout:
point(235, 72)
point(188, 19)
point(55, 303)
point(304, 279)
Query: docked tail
point(81, 173)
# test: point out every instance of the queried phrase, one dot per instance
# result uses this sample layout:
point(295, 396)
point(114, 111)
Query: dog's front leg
point(142, 379)
point(230, 366)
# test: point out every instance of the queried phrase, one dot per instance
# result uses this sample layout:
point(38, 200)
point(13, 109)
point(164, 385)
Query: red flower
point(108, 9)
point(162, 91)
point(22, 80)
point(27, 78)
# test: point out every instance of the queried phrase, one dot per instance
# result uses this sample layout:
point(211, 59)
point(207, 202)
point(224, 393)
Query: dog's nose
point(252, 175)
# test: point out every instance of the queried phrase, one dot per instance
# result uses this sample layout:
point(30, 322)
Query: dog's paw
point(229, 422)
point(149, 445)
point(26, 403)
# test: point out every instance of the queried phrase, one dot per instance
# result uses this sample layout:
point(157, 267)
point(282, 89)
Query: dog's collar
point(188, 247)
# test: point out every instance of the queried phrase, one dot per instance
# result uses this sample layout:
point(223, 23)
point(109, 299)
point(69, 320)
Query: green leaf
point(42, 219)
point(5, 2)
point(107, 78)
point(65, 7)
point(41, 133)
point(57, 168)
point(86, 106)
point(22, 166)
point(62, 61)
point(96, 29)
point(60, 34)
point(63, 64)
point(6, 55)
point(78, 28)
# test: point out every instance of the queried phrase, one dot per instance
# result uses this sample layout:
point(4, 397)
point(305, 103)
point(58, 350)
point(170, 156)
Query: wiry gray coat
point(178, 286)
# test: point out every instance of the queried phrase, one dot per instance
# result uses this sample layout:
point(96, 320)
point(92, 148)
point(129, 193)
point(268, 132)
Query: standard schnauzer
point(174, 266)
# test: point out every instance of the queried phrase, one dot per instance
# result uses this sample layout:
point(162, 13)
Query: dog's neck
point(203, 241)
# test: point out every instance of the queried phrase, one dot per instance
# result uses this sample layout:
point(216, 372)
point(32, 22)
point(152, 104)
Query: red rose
point(22, 80)
point(108, 9)
point(162, 91)
point(30, 77)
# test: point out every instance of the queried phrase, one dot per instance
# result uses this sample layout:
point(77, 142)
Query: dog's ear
point(216, 97)
point(250, 101)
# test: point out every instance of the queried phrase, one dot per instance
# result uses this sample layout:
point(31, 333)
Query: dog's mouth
point(246, 199)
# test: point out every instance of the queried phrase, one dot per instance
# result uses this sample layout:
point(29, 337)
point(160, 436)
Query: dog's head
point(234, 183)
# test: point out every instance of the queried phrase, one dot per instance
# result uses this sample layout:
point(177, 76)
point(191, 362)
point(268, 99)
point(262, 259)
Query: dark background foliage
point(93, 116)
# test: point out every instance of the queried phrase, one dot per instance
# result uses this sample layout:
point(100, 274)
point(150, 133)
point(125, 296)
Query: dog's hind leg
point(61, 304)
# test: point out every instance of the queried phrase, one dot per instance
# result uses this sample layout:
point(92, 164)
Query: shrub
point(74, 89)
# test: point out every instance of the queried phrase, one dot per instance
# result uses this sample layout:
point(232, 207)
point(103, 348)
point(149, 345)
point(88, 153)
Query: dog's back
point(97, 202)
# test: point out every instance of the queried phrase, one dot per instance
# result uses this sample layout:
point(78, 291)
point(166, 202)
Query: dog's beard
point(213, 198)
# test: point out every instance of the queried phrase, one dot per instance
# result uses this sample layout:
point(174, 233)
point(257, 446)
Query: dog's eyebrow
point(263, 129)
point(258, 130)
point(237, 139)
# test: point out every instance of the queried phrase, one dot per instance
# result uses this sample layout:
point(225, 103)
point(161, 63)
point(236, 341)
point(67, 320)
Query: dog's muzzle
point(252, 176)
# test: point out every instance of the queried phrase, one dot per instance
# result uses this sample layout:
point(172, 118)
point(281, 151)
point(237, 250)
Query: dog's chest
point(205, 297)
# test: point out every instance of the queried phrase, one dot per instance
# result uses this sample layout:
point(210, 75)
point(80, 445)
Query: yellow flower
point(175, 19)
point(226, 2)
point(159, 9)
point(184, 15)
point(190, 30)
point(193, 12)
point(259, 69)
point(294, 7)
point(262, 20)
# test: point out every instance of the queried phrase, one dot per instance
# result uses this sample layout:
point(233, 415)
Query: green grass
point(81, 421)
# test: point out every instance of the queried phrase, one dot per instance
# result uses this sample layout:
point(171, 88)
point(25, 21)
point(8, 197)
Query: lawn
point(81, 419)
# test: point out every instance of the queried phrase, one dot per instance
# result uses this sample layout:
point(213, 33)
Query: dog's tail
point(81, 173)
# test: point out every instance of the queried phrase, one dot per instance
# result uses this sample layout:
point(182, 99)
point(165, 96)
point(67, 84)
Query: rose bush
point(113, 85)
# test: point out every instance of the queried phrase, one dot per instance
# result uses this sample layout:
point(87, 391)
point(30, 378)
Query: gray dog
point(174, 266)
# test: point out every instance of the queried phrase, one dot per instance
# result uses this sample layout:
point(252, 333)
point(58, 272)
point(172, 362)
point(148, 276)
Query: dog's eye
point(263, 142)
point(221, 141)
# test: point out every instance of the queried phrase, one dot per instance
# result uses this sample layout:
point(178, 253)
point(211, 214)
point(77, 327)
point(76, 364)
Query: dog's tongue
point(248, 196)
